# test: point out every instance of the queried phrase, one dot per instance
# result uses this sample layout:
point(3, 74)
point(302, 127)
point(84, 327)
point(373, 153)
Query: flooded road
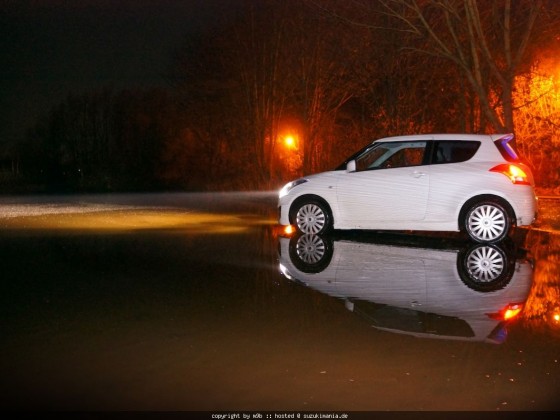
point(199, 302)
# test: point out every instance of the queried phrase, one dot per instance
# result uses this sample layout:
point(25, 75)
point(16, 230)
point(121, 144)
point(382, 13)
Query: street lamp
point(290, 142)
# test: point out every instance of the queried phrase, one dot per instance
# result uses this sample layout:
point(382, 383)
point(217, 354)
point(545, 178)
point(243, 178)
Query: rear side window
point(507, 151)
point(450, 151)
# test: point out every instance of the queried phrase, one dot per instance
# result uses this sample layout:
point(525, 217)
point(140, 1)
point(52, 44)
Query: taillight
point(509, 312)
point(513, 172)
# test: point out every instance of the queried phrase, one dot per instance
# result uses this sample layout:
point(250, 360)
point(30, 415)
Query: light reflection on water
point(415, 286)
point(238, 213)
point(383, 274)
point(102, 222)
point(543, 304)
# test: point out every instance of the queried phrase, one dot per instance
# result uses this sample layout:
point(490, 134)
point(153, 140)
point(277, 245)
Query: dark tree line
point(334, 74)
point(101, 141)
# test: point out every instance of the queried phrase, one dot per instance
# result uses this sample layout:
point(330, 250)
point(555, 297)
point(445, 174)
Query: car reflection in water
point(462, 292)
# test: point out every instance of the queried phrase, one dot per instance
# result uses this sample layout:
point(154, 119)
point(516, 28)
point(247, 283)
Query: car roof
point(460, 137)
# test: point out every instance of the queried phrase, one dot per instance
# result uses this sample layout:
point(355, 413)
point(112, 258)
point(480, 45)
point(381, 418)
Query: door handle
point(417, 174)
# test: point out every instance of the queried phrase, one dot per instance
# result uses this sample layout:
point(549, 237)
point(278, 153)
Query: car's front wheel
point(312, 216)
point(487, 222)
point(311, 253)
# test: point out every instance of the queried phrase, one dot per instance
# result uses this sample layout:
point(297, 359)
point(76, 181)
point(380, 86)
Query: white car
point(436, 182)
point(429, 290)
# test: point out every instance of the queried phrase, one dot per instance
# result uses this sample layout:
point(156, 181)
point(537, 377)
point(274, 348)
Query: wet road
point(177, 302)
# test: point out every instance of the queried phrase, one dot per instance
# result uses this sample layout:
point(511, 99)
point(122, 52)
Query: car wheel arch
point(482, 198)
point(305, 198)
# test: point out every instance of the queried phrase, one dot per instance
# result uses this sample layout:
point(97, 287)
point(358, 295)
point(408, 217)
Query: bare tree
point(288, 64)
point(256, 56)
point(486, 40)
point(323, 62)
point(537, 114)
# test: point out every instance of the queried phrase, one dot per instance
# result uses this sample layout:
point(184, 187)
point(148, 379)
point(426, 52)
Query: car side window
point(392, 155)
point(449, 151)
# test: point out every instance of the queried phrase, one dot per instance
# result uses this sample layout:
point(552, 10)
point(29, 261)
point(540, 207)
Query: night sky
point(51, 48)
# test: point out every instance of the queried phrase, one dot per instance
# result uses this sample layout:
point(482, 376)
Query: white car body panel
point(369, 198)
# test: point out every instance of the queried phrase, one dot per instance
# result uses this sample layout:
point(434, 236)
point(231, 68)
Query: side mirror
point(351, 166)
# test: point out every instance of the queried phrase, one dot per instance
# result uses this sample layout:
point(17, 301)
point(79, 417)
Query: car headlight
point(286, 188)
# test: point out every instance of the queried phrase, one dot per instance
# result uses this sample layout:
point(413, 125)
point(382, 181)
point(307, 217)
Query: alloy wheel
point(485, 264)
point(310, 248)
point(311, 218)
point(487, 222)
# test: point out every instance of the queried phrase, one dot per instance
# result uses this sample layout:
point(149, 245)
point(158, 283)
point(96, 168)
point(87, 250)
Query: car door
point(452, 178)
point(390, 184)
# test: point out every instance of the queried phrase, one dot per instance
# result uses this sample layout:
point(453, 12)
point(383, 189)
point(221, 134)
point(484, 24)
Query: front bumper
point(283, 216)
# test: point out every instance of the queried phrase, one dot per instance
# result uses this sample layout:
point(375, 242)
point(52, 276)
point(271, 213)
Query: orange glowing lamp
point(289, 230)
point(290, 142)
point(508, 313)
point(513, 172)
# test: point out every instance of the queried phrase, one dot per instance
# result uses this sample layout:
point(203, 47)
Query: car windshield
point(388, 155)
point(342, 166)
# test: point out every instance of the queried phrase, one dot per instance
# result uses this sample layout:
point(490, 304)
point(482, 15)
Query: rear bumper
point(526, 209)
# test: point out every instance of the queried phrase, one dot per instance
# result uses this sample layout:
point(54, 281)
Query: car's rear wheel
point(487, 222)
point(312, 216)
point(485, 268)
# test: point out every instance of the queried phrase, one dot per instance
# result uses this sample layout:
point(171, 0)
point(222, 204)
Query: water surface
point(177, 302)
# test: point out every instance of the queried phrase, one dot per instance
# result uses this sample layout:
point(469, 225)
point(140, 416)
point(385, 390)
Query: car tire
point(487, 222)
point(485, 268)
point(311, 216)
point(310, 253)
